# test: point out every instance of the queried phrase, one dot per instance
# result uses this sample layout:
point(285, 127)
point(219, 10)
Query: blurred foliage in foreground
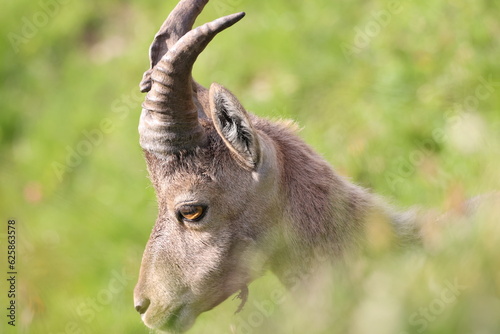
point(402, 97)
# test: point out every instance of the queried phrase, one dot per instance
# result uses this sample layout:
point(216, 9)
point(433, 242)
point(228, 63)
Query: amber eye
point(191, 213)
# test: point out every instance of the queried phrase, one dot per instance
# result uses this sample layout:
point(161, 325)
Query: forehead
point(203, 167)
point(206, 172)
point(185, 174)
point(185, 184)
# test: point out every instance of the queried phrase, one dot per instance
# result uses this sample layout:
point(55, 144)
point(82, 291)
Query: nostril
point(142, 305)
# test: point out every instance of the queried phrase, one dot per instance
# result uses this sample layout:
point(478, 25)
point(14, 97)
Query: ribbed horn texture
point(169, 119)
point(177, 24)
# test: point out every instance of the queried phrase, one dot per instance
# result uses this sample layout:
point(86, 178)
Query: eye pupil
point(191, 212)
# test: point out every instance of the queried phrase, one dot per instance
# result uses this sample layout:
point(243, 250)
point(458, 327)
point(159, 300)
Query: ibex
point(237, 195)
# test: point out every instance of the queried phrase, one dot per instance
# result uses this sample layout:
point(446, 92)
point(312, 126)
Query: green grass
point(399, 112)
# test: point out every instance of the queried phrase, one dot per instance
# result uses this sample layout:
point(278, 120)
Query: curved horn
point(177, 24)
point(169, 119)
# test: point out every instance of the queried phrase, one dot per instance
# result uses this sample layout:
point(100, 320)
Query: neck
point(325, 217)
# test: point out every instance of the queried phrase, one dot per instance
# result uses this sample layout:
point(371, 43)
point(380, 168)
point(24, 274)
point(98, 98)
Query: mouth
point(179, 320)
point(173, 323)
point(176, 319)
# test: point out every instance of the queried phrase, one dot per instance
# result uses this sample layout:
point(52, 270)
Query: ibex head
point(237, 194)
point(215, 178)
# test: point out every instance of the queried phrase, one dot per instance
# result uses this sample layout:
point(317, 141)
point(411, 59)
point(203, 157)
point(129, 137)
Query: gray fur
point(272, 203)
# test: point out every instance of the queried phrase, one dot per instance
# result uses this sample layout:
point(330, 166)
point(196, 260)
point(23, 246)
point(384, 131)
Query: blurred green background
point(401, 97)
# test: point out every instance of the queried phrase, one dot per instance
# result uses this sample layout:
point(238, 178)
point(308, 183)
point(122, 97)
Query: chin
point(179, 319)
point(176, 322)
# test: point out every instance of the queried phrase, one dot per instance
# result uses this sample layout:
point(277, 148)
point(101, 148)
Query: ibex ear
point(233, 125)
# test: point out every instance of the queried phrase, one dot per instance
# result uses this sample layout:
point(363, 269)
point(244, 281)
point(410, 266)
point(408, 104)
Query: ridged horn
point(169, 119)
point(177, 24)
